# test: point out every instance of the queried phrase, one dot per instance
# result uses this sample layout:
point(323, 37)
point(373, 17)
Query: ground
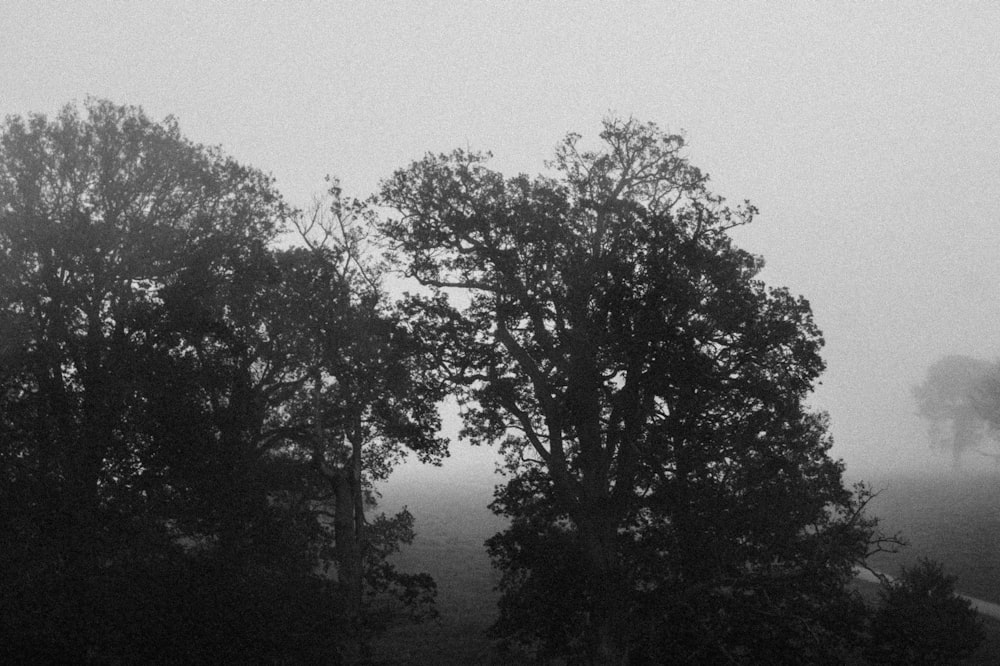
point(452, 522)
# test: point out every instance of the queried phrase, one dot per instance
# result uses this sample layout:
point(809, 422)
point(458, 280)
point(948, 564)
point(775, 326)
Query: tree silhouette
point(670, 492)
point(961, 400)
point(181, 405)
point(103, 213)
point(369, 396)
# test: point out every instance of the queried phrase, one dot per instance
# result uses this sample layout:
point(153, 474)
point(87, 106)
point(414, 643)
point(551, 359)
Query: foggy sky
point(867, 134)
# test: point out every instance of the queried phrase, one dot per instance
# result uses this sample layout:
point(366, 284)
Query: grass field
point(950, 518)
point(452, 522)
point(957, 522)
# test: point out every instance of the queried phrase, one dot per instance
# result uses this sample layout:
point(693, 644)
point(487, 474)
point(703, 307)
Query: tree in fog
point(291, 386)
point(369, 395)
point(164, 443)
point(960, 398)
point(671, 495)
point(101, 211)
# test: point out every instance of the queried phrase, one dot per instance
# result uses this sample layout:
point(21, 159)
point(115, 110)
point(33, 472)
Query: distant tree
point(671, 497)
point(922, 621)
point(961, 399)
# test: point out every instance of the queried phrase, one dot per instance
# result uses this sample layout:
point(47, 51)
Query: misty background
point(868, 136)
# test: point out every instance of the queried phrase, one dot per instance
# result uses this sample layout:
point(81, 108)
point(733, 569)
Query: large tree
point(180, 405)
point(283, 392)
point(671, 494)
point(99, 211)
point(102, 211)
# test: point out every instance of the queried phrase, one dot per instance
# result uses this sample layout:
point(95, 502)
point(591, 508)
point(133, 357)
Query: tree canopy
point(185, 409)
point(650, 394)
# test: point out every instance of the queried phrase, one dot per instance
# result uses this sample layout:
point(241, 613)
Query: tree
point(668, 483)
point(280, 387)
point(99, 212)
point(372, 397)
point(960, 399)
point(191, 419)
point(287, 392)
point(102, 214)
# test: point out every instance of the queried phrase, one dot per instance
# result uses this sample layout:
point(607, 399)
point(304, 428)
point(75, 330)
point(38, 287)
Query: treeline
point(193, 413)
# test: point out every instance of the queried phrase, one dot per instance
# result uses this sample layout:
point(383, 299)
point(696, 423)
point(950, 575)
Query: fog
point(867, 135)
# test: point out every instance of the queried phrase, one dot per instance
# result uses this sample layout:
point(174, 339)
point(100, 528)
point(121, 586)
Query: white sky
point(867, 133)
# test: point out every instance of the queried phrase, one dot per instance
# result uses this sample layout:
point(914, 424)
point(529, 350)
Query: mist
point(867, 135)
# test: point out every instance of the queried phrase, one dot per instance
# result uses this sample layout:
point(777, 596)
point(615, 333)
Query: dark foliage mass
point(671, 496)
point(190, 419)
point(922, 621)
point(192, 415)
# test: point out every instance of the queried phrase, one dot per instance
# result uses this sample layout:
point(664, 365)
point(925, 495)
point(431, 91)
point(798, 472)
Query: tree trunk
point(348, 529)
point(348, 553)
point(358, 504)
point(347, 546)
point(965, 438)
point(88, 457)
point(598, 534)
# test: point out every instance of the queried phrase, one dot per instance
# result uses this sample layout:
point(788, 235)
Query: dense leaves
point(124, 448)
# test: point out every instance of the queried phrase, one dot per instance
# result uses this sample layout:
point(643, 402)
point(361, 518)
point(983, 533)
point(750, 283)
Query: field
point(955, 520)
point(452, 522)
point(950, 518)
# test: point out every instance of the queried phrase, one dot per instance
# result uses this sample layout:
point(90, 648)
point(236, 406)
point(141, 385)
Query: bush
point(922, 621)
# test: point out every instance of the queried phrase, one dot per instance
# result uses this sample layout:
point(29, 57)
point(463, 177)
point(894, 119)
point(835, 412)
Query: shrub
point(922, 621)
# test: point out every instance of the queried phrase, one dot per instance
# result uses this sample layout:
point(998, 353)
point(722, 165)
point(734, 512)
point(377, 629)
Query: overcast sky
point(868, 134)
